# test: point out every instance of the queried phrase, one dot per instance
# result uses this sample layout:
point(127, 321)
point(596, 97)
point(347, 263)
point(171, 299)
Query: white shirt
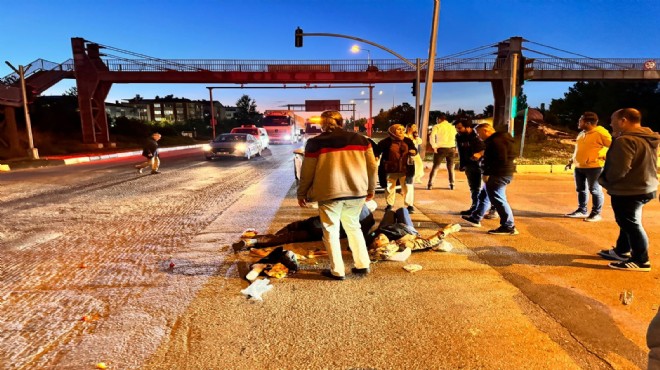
point(443, 135)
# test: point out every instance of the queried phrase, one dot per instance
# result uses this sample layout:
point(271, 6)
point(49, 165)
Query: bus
point(283, 126)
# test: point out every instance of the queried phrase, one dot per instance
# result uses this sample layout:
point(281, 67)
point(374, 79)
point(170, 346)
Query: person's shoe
point(502, 230)
point(411, 209)
point(467, 212)
point(491, 215)
point(451, 186)
point(239, 246)
point(577, 214)
point(429, 187)
point(155, 172)
point(629, 265)
point(290, 261)
point(594, 217)
point(388, 208)
point(472, 221)
point(363, 271)
point(328, 274)
point(610, 254)
point(139, 170)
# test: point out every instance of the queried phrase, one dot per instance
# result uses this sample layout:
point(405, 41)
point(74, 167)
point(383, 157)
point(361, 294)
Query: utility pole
point(212, 112)
point(428, 85)
point(33, 153)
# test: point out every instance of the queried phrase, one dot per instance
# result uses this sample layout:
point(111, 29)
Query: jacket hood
point(645, 133)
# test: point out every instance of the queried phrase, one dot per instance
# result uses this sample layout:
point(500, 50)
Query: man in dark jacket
point(150, 152)
point(397, 151)
point(498, 168)
point(470, 150)
point(630, 176)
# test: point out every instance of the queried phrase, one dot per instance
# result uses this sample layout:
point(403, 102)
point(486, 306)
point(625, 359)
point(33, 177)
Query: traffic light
point(299, 37)
point(413, 90)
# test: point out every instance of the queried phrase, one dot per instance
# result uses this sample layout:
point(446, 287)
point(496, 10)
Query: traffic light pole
point(299, 43)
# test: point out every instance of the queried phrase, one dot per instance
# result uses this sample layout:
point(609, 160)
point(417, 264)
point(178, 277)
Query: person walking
point(498, 168)
point(150, 152)
point(443, 141)
point(470, 151)
point(630, 176)
point(413, 134)
point(589, 156)
point(339, 172)
point(397, 153)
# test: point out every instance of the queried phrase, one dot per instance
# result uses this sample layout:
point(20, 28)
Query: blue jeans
point(632, 236)
point(401, 216)
point(494, 190)
point(473, 175)
point(588, 177)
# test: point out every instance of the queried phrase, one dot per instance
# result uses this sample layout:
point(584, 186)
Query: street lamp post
point(33, 153)
point(212, 112)
point(299, 42)
point(356, 49)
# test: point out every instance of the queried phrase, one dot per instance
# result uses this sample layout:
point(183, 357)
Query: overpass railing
point(38, 66)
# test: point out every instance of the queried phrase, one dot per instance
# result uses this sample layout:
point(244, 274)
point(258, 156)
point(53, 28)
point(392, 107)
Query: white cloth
point(348, 213)
point(443, 135)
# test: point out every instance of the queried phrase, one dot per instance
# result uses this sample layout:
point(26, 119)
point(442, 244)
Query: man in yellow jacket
point(589, 157)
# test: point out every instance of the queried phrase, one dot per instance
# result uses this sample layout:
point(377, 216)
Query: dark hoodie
point(499, 155)
point(631, 164)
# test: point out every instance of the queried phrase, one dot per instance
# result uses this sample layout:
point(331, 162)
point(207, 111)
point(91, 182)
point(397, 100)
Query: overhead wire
point(580, 55)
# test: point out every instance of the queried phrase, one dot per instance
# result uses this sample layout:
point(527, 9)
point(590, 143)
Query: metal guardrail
point(38, 66)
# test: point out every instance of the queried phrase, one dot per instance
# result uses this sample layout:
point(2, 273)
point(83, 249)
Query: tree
point(489, 111)
point(72, 91)
point(246, 110)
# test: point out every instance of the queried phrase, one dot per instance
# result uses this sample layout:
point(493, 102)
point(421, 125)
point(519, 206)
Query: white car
point(232, 145)
point(257, 132)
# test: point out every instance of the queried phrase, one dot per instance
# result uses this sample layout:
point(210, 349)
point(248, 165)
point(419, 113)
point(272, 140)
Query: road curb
point(46, 162)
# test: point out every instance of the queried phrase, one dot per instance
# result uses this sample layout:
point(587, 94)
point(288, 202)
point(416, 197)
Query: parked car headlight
point(206, 147)
point(240, 147)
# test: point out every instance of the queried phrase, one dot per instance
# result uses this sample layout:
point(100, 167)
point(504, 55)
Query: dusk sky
point(264, 29)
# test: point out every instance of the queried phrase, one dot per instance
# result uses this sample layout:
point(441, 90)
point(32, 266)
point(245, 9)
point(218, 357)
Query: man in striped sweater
point(339, 172)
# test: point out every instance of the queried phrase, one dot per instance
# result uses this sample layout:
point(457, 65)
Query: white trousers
point(346, 212)
point(407, 190)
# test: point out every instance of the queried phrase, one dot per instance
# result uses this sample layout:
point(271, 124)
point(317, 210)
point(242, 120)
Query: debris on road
point(412, 267)
point(626, 297)
point(257, 289)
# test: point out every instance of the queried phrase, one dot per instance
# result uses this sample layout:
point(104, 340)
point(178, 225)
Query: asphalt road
point(96, 240)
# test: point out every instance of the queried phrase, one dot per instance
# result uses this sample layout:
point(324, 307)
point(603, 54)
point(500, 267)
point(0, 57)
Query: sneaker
point(467, 212)
point(139, 170)
point(491, 215)
point(363, 271)
point(411, 209)
point(610, 254)
point(472, 221)
point(328, 274)
point(290, 261)
point(502, 230)
point(451, 186)
point(577, 214)
point(429, 187)
point(388, 208)
point(594, 217)
point(155, 172)
point(629, 265)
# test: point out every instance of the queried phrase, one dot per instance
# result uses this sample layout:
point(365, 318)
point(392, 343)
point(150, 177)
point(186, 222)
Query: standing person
point(589, 156)
point(630, 176)
point(470, 151)
point(150, 152)
point(396, 158)
point(443, 141)
point(498, 169)
point(339, 172)
point(413, 134)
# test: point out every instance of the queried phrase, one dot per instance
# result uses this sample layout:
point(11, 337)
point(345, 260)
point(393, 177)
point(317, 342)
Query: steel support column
point(91, 91)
